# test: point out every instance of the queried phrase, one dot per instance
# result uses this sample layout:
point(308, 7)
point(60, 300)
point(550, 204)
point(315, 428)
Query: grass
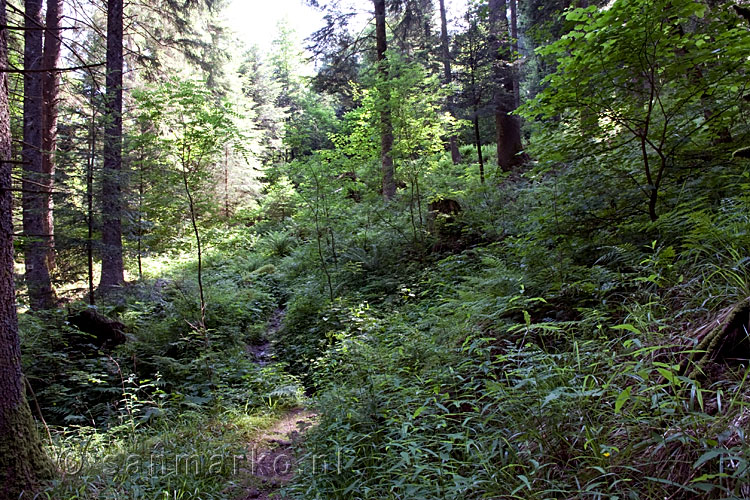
point(192, 456)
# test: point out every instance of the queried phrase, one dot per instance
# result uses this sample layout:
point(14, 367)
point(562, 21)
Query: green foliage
point(635, 78)
point(551, 346)
point(540, 343)
point(305, 332)
point(415, 101)
point(468, 385)
point(277, 243)
point(280, 202)
point(189, 456)
point(162, 416)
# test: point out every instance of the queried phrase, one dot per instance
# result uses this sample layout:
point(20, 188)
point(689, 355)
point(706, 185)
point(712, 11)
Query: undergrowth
point(169, 413)
point(541, 356)
point(537, 344)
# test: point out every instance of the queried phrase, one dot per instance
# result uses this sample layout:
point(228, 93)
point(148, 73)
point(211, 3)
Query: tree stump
point(105, 333)
point(723, 341)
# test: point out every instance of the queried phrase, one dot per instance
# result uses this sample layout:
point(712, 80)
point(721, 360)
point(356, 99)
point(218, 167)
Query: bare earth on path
point(272, 454)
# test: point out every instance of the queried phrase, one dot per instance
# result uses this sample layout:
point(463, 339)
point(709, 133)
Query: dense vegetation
point(507, 258)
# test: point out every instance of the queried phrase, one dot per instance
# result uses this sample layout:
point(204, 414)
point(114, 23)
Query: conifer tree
point(22, 461)
point(112, 259)
point(35, 183)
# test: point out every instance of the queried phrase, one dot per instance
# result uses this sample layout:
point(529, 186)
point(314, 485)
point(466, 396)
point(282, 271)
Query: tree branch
point(46, 70)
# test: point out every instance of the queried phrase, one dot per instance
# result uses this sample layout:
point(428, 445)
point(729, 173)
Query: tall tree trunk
point(50, 92)
point(446, 55)
point(514, 48)
point(386, 125)
point(508, 127)
point(41, 295)
point(22, 459)
point(112, 263)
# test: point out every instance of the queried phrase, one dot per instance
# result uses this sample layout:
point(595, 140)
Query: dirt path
point(272, 454)
point(261, 353)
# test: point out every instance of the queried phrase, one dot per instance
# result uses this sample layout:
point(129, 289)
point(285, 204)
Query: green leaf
point(627, 327)
point(669, 376)
point(418, 412)
point(525, 481)
point(622, 398)
point(709, 455)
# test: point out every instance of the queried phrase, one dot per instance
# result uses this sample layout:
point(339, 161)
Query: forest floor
point(273, 454)
point(261, 353)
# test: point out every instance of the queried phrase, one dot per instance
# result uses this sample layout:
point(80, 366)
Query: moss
point(23, 462)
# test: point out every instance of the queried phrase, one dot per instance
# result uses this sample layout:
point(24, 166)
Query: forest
point(466, 249)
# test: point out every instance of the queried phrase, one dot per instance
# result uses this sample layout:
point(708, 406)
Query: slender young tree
point(50, 92)
point(35, 185)
point(22, 459)
point(472, 55)
point(386, 124)
point(507, 126)
point(90, 160)
point(448, 75)
point(112, 261)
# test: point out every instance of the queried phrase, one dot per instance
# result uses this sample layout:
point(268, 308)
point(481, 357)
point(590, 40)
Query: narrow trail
point(261, 353)
point(273, 452)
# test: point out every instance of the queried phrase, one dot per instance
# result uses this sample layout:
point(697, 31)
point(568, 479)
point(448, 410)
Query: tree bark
point(90, 201)
point(476, 100)
point(198, 242)
point(446, 55)
point(508, 126)
point(141, 193)
point(41, 295)
point(386, 125)
point(514, 48)
point(22, 459)
point(112, 262)
point(478, 142)
point(50, 92)
point(226, 182)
